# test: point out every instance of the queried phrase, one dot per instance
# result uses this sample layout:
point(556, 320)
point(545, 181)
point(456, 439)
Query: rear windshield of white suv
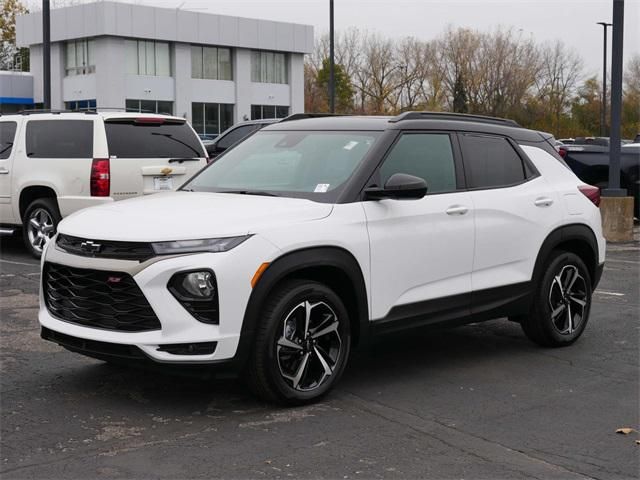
point(134, 138)
point(59, 139)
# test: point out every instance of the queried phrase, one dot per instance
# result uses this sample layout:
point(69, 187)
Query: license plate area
point(163, 183)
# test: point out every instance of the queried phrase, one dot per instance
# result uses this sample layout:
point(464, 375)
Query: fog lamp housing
point(197, 292)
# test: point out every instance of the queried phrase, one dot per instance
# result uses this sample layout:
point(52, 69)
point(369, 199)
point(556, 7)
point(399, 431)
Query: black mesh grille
point(96, 298)
point(105, 248)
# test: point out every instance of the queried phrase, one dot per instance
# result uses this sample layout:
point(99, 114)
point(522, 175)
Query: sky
point(572, 21)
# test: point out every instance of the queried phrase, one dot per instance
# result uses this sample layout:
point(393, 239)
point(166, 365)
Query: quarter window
point(60, 139)
point(7, 135)
point(491, 162)
point(425, 155)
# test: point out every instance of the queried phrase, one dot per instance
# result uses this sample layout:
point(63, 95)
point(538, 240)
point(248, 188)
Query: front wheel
point(302, 344)
point(39, 224)
point(562, 302)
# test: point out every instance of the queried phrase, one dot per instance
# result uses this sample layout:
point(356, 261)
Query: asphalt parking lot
point(478, 401)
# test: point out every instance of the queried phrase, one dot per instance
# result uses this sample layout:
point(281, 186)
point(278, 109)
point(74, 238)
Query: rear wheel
point(562, 302)
point(302, 344)
point(39, 224)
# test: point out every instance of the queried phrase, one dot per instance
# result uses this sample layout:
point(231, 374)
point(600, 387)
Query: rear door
point(7, 139)
point(515, 209)
point(151, 154)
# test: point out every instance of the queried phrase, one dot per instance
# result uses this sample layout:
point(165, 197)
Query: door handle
point(543, 202)
point(3, 171)
point(457, 210)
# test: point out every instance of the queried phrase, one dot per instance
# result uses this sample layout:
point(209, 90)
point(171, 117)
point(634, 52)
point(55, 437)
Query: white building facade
point(215, 70)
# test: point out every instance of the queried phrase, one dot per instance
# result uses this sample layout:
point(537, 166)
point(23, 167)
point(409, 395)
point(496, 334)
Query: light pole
point(332, 84)
point(46, 54)
point(613, 189)
point(603, 107)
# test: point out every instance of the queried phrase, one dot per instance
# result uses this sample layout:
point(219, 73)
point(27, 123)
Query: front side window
point(304, 164)
point(60, 139)
point(491, 162)
point(211, 63)
point(259, 112)
point(269, 67)
point(425, 155)
point(211, 118)
point(7, 136)
point(149, 106)
point(144, 57)
point(79, 57)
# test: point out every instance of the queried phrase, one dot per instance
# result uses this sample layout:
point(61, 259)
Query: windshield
point(307, 164)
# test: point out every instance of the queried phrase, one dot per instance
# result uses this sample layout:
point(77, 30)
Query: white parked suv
point(313, 235)
point(52, 164)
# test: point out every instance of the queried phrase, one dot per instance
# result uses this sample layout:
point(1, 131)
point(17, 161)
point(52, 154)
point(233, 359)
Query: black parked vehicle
point(591, 164)
point(235, 134)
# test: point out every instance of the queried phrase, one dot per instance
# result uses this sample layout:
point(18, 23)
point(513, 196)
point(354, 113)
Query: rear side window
point(235, 135)
point(60, 139)
point(491, 162)
point(128, 139)
point(425, 155)
point(7, 135)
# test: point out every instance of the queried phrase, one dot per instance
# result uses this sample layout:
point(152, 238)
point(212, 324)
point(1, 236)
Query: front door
point(421, 250)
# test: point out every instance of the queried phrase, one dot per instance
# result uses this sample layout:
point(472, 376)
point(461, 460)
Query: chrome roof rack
point(462, 117)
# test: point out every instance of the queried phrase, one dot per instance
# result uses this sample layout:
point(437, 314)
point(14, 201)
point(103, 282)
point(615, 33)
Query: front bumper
point(233, 269)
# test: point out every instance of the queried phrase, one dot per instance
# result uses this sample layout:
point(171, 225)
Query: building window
point(268, 111)
point(268, 67)
point(149, 106)
point(211, 63)
point(79, 58)
point(148, 58)
point(211, 118)
point(80, 105)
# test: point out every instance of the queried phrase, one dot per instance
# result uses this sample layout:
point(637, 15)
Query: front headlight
point(202, 245)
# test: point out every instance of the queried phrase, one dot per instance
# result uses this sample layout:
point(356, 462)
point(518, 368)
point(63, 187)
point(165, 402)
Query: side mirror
point(399, 185)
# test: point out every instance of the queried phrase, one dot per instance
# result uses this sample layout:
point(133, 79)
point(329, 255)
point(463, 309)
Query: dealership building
point(215, 70)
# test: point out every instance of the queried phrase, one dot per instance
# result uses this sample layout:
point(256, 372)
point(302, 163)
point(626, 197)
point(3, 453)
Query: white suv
point(52, 164)
point(314, 234)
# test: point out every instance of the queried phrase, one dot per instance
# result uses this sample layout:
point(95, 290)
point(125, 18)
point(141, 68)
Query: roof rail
point(463, 117)
point(41, 110)
point(113, 109)
point(300, 116)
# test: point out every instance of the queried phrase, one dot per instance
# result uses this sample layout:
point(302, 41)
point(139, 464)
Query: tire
point(558, 297)
point(275, 370)
point(40, 224)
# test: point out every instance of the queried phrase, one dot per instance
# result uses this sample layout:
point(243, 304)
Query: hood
point(189, 215)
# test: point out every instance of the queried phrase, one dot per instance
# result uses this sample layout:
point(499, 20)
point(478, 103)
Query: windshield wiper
point(251, 192)
point(177, 140)
point(185, 159)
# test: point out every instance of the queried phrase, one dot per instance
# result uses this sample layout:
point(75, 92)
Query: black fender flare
point(572, 232)
point(287, 265)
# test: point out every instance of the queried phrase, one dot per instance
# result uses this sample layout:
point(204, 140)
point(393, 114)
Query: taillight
point(562, 152)
point(591, 192)
point(100, 177)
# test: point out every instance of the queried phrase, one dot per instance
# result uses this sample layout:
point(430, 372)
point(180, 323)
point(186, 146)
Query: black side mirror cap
point(399, 186)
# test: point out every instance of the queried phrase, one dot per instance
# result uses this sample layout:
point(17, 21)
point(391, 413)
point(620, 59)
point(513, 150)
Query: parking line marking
point(614, 294)
point(19, 263)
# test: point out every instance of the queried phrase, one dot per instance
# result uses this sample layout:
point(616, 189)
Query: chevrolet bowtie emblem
point(166, 171)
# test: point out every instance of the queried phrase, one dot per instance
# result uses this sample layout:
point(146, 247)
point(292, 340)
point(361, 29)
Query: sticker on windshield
point(350, 145)
point(322, 187)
